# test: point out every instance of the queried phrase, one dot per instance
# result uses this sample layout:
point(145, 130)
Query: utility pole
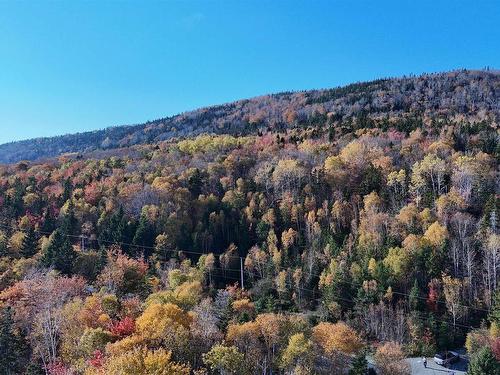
point(241, 273)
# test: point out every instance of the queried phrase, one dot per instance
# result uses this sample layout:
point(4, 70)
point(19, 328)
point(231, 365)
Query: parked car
point(446, 358)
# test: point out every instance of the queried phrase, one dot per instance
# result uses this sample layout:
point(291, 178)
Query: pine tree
point(59, 253)
point(359, 365)
point(114, 229)
point(414, 297)
point(30, 244)
point(69, 223)
point(484, 363)
point(68, 190)
point(494, 316)
point(195, 183)
point(12, 346)
point(144, 235)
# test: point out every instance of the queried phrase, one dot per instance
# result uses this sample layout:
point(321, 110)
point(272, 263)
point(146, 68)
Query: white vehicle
point(446, 358)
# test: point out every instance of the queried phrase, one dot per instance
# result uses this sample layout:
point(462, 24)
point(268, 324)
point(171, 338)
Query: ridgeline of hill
point(469, 97)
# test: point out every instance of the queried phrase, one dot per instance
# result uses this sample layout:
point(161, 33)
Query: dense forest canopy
point(290, 233)
point(469, 95)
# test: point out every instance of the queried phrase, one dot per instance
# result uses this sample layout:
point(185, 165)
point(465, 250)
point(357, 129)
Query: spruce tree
point(59, 253)
point(414, 297)
point(30, 244)
point(359, 365)
point(144, 235)
point(69, 223)
point(12, 346)
point(494, 315)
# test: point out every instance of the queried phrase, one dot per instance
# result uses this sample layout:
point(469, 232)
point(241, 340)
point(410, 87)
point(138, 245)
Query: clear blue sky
point(72, 66)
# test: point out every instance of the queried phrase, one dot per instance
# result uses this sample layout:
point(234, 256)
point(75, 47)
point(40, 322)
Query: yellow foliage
point(243, 306)
point(425, 218)
point(157, 319)
point(16, 243)
point(299, 350)
point(142, 361)
point(412, 242)
point(448, 203)
point(338, 337)
point(359, 154)
point(125, 345)
point(397, 260)
point(436, 234)
point(209, 143)
point(372, 266)
point(390, 359)
point(372, 202)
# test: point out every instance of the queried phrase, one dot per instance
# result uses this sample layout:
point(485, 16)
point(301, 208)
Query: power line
point(242, 271)
point(352, 283)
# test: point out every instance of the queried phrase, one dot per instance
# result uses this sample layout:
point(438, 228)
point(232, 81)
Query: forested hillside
point(299, 232)
point(398, 102)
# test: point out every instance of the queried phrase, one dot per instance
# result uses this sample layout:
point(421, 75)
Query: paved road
point(417, 367)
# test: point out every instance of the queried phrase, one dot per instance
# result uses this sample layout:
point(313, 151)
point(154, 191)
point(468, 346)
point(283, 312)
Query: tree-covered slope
point(472, 95)
point(294, 249)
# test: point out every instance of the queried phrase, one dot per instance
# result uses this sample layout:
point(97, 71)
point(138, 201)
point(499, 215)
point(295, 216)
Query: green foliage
point(414, 298)
point(94, 339)
point(30, 243)
point(359, 365)
point(59, 253)
point(12, 346)
point(225, 359)
point(484, 363)
point(144, 236)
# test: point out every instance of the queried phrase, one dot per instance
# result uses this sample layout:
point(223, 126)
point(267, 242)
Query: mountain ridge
point(460, 95)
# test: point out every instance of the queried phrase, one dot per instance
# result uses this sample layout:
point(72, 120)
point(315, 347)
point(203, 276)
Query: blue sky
point(68, 66)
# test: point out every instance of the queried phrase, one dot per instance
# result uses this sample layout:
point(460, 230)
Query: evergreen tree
point(494, 316)
point(59, 253)
point(69, 223)
point(359, 365)
point(484, 363)
point(68, 190)
point(144, 236)
point(444, 337)
point(3, 244)
point(195, 183)
point(48, 223)
point(114, 229)
point(30, 243)
point(414, 297)
point(12, 346)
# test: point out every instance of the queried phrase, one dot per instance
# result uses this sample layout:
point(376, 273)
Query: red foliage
point(433, 297)
point(58, 368)
point(92, 193)
point(495, 348)
point(124, 327)
point(97, 359)
point(34, 220)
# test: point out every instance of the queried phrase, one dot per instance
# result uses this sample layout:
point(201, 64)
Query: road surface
point(417, 367)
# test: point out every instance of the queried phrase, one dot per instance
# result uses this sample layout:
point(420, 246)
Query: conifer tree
point(12, 346)
point(359, 365)
point(59, 253)
point(29, 246)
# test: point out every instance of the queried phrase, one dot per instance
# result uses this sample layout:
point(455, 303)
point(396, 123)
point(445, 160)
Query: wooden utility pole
point(241, 273)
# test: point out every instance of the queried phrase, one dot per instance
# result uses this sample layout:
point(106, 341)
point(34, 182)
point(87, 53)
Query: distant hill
point(469, 96)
